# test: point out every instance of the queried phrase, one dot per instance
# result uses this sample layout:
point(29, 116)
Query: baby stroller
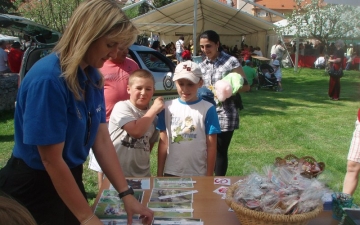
point(265, 81)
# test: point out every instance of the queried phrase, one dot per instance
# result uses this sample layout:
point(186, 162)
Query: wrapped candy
point(228, 86)
point(223, 90)
point(279, 191)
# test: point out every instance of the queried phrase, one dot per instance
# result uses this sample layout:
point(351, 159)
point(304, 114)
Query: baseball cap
point(188, 70)
point(276, 63)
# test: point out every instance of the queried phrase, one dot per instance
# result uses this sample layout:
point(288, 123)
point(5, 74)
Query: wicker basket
point(282, 162)
point(250, 217)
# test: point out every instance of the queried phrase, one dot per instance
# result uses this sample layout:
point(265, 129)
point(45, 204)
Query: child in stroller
point(266, 77)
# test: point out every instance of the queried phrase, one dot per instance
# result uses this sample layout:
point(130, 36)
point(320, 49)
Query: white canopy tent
point(344, 2)
point(8, 38)
point(177, 18)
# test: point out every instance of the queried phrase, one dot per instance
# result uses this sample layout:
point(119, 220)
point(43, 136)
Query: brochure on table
point(170, 199)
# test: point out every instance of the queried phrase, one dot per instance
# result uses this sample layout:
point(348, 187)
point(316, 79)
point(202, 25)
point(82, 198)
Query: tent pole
point(195, 28)
point(296, 53)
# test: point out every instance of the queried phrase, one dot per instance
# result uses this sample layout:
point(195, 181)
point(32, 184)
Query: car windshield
point(153, 62)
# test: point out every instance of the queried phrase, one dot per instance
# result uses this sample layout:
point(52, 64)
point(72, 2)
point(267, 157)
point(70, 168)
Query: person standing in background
point(15, 57)
point(336, 61)
point(116, 72)
point(179, 49)
point(216, 66)
point(3, 58)
point(186, 55)
point(191, 47)
point(250, 73)
point(156, 46)
point(257, 51)
point(279, 51)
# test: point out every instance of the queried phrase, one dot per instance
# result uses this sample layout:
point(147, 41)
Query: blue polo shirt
point(47, 113)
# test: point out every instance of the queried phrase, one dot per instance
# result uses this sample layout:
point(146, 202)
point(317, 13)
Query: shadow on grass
point(6, 138)
point(6, 115)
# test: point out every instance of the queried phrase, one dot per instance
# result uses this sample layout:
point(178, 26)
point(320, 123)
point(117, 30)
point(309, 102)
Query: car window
point(153, 62)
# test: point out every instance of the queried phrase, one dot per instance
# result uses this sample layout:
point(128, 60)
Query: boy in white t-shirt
point(188, 128)
point(132, 125)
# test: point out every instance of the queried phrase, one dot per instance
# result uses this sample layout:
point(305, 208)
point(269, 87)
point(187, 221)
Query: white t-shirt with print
point(133, 153)
point(187, 126)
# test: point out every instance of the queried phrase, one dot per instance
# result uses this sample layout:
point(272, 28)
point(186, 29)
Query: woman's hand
point(133, 206)
point(94, 220)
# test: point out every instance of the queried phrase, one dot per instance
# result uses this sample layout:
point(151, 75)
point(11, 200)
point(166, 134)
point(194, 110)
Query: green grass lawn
point(301, 120)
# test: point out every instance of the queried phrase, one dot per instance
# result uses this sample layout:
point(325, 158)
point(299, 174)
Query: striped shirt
point(213, 71)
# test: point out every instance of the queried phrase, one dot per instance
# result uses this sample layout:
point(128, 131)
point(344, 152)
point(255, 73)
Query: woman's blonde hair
point(13, 213)
point(92, 20)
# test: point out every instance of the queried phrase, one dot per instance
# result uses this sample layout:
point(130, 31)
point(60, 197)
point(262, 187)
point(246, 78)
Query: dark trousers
point(34, 189)
point(223, 142)
point(334, 87)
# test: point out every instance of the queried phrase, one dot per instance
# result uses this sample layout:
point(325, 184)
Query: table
point(170, 56)
point(305, 60)
point(213, 210)
point(260, 59)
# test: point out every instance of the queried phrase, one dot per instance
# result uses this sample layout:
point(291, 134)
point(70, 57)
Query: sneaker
point(279, 90)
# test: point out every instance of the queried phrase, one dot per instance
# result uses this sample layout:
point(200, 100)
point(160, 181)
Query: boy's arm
point(154, 138)
point(162, 152)
point(137, 128)
point(211, 143)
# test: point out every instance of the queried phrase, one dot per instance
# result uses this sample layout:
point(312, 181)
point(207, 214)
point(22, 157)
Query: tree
point(7, 6)
point(51, 13)
point(149, 5)
point(324, 22)
point(161, 3)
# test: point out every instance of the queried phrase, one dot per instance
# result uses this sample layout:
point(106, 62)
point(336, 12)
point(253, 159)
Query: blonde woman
point(60, 114)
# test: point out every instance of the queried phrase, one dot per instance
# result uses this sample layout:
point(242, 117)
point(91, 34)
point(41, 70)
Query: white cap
point(188, 70)
point(276, 63)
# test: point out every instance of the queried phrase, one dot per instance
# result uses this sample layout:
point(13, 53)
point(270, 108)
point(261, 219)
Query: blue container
point(339, 201)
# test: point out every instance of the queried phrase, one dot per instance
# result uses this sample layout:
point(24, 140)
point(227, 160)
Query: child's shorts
point(354, 151)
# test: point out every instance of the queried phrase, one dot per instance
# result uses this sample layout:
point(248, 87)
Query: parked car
point(44, 39)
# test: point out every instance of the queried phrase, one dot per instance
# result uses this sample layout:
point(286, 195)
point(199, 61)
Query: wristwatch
point(129, 191)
